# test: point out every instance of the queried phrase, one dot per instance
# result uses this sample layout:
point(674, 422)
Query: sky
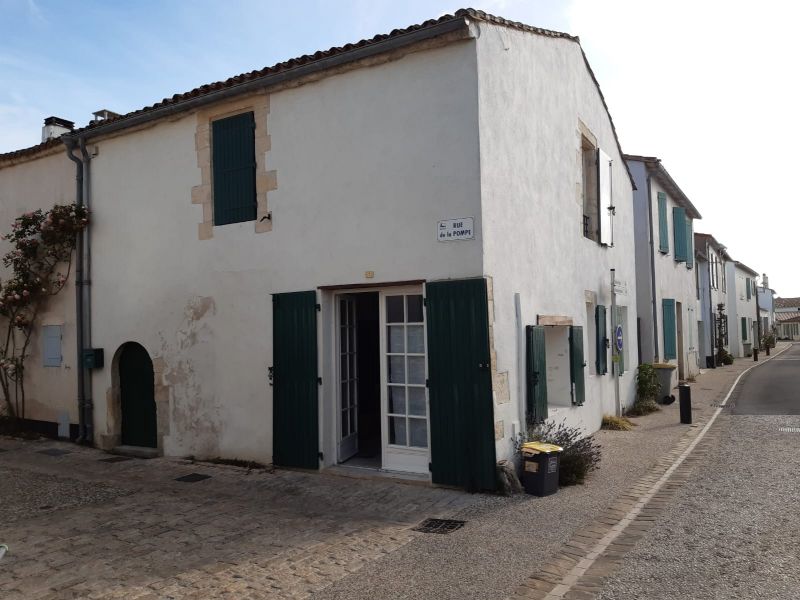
point(708, 86)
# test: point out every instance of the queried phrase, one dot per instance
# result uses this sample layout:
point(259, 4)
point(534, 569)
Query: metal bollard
point(3, 550)
point(685, 393)
point(755, 354)
point(766, 349)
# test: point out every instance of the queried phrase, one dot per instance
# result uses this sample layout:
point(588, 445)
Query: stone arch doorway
point(137, 397)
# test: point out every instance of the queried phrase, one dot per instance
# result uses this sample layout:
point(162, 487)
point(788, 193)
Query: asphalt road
point(772, 389)
point(731, 531)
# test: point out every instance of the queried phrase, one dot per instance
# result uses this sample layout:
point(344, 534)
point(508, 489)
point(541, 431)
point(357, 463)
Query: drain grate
point(115, 459)
point(439, 526)
point(3, 450)
point(789, 429)
point(54, 452)
point(727, 405)
point(193, 477)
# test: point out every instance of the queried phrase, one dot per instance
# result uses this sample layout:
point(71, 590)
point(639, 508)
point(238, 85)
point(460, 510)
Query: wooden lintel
point(557, 320)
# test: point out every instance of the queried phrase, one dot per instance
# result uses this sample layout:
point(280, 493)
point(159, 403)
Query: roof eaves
point(744, 267)
point(656, 168)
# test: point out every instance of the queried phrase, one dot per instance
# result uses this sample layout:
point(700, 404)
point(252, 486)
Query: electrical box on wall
point(93, 358)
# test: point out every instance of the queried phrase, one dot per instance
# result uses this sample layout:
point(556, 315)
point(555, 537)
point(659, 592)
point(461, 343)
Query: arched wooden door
point(137, 397)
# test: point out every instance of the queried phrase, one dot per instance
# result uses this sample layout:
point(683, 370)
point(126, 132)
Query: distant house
point(666, 287)
point(392, 254)
point(742, 309)
point(712, 297)
point(766, 306)
point(787, 318)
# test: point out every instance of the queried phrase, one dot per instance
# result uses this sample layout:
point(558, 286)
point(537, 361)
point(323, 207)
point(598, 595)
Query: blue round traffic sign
point(618, 337)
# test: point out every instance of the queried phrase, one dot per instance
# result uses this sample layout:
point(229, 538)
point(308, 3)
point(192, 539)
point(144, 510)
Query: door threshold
point(359, 472)
point(136, 451)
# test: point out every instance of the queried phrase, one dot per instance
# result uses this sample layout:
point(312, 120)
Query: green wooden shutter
point(689, 243)
point(679, 230)
point(234, 169)
point(663, 228)
point(749, 290)
point(295, 377)
point(576, 365)
point(744, 328)
point(535, 374)
point(670, 341)
point(601, 340)
point(460, 382)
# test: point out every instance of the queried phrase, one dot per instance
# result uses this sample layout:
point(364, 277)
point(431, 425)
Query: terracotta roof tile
point(787, 302)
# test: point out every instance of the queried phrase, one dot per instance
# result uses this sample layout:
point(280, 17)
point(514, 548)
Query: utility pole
point(614, 349)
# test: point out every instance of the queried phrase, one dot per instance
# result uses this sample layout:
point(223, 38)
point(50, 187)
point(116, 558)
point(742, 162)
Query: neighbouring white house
point(711, 258)
point(666, 283)
point(38, 178)
point(742, 309)
point(391, 254)
point(787, 318)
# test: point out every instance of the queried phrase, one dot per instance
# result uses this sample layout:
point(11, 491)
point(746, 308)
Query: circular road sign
point(618, 337)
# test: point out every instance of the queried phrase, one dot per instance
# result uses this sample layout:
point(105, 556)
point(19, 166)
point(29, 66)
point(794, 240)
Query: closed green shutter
point(679, 231)
point(663, 228)
point(744, 328)
point(234, 169)
point(460, 384)
point(535, 374)
point(749, 290)
point(670, 345)
point(295, 388)
point(601, 341)
point(576, 365)
point(689, 243)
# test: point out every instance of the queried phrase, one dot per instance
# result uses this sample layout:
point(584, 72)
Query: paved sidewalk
point(79, 527)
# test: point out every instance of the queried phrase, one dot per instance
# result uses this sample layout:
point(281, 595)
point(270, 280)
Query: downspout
point(652, 270)
point(70, 144)
point(88, 404)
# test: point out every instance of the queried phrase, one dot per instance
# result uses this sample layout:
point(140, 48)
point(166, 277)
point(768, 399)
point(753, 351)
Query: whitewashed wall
point(740, 307)
point(534, 91)
point(51, 392)
point(367, 162)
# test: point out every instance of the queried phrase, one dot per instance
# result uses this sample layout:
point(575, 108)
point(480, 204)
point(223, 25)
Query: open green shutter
point(679, 232)
point(233, 162)
point(670, 341)
point(576, 365)
point(663, 229)
point(460, 384)
point(744, 328)
point(535, 374)
point(295, 388)
point(689, 243)
point(601, 341)
point(749, 290)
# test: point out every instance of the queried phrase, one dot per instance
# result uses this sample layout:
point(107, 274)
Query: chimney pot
point(56, 127)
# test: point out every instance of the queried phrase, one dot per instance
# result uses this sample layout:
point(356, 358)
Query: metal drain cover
point(789, 429)
point(439, 526)
point(193, 477)
point(54, 452)
point(727, 405)
point(115, 459)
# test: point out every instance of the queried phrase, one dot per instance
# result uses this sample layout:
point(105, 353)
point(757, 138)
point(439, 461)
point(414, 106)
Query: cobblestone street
point(83, 524)
point(80, 527)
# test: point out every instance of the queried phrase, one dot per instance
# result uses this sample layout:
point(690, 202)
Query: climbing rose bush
point(39, 264)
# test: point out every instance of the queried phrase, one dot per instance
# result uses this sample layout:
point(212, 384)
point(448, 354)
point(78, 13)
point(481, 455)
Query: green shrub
point(724, 357)
point(647, 386)
point(614, 423)
point(581, 454)
point(641, 408)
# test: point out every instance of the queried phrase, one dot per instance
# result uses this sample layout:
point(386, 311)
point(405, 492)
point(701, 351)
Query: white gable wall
point(534, 92)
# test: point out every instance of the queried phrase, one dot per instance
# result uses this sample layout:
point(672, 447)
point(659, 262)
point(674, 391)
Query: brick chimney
point(56, 127)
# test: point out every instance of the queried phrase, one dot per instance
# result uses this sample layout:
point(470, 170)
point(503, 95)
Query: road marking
point(575, 573)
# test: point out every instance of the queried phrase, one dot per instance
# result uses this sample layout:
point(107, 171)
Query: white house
point(391, 254)
point(766, 306)
point(666, 286)
point(711, 258)
point(742, 309)
point(787, 318)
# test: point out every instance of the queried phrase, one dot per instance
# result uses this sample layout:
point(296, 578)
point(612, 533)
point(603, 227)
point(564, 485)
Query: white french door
point(348, 378)
point(404, 395)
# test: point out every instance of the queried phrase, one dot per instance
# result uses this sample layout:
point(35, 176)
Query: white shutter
point(51, 338)
point(606, 205)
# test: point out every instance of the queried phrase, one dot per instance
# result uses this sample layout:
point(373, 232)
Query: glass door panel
point(406, 404)
point(348, 379)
